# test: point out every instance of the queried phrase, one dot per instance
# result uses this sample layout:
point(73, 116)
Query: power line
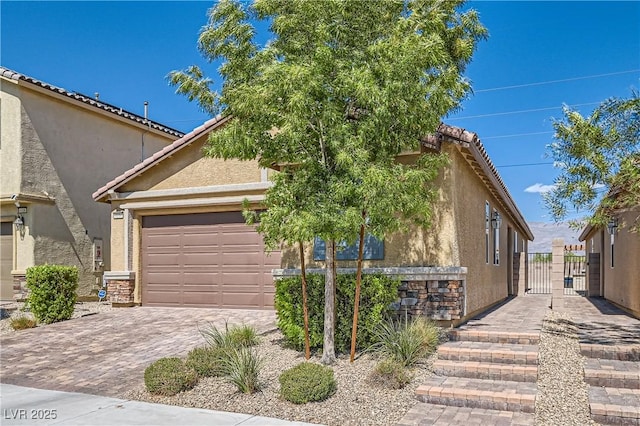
point(523, 165)
point(540, 83)
point(516, 135)
point(520, 112)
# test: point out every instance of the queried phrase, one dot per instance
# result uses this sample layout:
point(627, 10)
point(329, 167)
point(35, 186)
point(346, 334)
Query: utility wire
point(520, 112)
point(540, 83)
point(516, 135)
point(523, 165)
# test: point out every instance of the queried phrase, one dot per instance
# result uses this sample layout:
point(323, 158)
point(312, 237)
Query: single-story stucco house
point(613, 258)
point(56, 147)
point(178, 237)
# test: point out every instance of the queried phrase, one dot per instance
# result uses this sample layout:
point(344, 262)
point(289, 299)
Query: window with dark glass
point(373, 249)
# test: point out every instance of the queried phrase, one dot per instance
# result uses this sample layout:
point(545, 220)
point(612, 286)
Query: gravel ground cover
point(563, 397)
point(357, 401)
point(15, 309)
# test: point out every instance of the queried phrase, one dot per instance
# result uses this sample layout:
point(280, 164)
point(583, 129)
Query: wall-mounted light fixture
point(19, 222)
point(19, 225)
point(612, 226)
point(496, 220)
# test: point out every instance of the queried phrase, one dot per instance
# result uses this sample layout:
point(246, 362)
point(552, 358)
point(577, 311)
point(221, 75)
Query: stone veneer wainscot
point(120, 286)
point(435, 292)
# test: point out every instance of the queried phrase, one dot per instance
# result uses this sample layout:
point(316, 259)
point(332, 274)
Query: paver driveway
point(106, 354)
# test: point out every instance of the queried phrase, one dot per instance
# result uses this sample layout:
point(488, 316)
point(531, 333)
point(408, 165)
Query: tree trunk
point(328, 348)
point(356, 303)
point(305, 311)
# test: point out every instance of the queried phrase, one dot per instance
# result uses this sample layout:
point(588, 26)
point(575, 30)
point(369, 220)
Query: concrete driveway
point(106, 353)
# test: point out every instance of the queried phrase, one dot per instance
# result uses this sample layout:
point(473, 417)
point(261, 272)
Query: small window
point(496, 237)
point(373, 249)
point(515, 242)
point(487, 226)
point(612, 249)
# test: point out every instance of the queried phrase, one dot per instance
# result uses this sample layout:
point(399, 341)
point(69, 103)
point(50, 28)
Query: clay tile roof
point(13, 75)
point(156, 158)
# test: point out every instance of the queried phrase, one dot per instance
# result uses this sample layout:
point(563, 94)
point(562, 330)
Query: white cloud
point(540, 188)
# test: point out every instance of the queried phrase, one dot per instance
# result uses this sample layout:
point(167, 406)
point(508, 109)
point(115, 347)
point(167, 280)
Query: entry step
point(612, 373)
point(424, 414)
point(485, 370)
point(615, 406)
point(502, 353)
point(478, 393)
point(473, 335)
point(618, 352)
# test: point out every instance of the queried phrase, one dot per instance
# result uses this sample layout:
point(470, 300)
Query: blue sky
point(124, 50)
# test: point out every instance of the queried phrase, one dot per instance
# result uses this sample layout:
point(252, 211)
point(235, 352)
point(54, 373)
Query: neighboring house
point(56, 148)
point(613, 258)
point(179, 239)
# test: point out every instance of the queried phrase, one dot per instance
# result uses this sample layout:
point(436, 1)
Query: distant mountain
point(544, 234)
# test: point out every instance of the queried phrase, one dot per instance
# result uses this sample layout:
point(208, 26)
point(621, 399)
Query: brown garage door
point(6, 260)
point(205, 260)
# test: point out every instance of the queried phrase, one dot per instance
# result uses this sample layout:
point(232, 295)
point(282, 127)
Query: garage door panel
point(240, 259)
point(199, 298)
point(242, 300)
point(200, 279)
point(212, 260)
point(201, 259)
point(163, 278)
point(162, 259)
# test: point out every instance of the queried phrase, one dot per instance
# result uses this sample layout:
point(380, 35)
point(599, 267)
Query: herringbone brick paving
point(106, 354)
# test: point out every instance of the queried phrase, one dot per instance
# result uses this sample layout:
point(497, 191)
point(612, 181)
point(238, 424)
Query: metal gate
point(539, 273)
point(575, 283)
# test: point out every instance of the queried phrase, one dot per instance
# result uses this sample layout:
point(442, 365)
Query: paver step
point(441, 415)
point(486, 370)
point(503, 353)
point(612, 373)
point(477, 393)
point(615, 406)
point(619, 352)
point(473, 335)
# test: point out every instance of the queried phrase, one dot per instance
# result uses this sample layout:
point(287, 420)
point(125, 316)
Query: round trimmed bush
point(307, 382)
point(207, 361)
point(169, 376)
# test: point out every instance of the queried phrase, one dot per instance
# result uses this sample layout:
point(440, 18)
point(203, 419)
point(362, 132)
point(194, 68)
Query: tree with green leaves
point(341, 89)
point(599, 161)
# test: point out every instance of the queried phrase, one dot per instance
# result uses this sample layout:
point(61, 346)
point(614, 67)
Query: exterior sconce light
point(19, 222)
point(496, 221)
point(19, 225)
point(612, 226)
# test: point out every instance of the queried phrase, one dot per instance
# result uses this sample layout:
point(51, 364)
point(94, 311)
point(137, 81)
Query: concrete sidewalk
point(27, 406)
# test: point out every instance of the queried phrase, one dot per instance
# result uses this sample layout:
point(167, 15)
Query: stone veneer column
point(557, 274)
point(120, 287)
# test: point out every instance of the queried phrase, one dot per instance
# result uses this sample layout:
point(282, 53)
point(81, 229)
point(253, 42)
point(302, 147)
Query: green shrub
point(406, 341)
point(22, 322)
point(207, 361)
point(169, 376)
point(241, 366)
point(307, 382)
point(52, 292)
point(243, 335)
point(234, 336)
point(377, 293)
point(391, 374)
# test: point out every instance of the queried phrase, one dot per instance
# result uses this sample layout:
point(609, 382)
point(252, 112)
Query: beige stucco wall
point(188, 169)
point(68, 151)
point(622, 281)
point(10, 130)
point(456, 237)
